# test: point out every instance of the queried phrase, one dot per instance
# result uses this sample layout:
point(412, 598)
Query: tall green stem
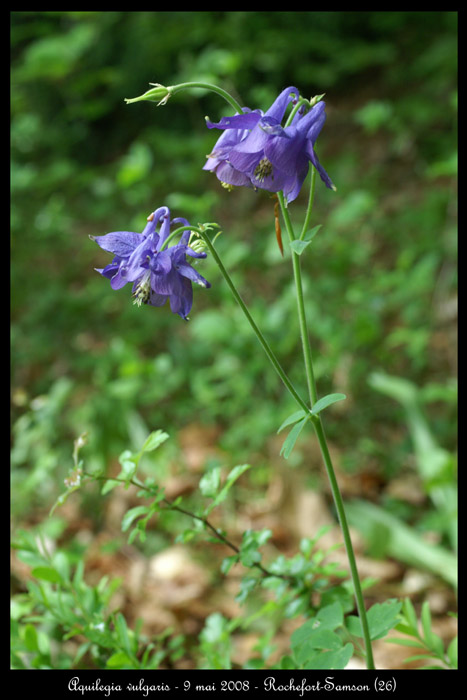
point(300, 306)
point(318, 425)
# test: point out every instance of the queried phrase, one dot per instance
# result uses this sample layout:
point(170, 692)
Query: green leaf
point(231, 479)
point(46, 573)
point(287, 663)
point(452, 652)
point(331, 616)
point(416, 657)
point(109, 485)
point(311, 233)
point(227, 563)
point(293, 418)
point(326, 401)
point(353, 625)
point(433, 641)
point(330, 659)
point(256, 538)
point(129, 464)
point(436, 644)
point(404, 642)
point(328, 618)
point(410, 614)
point(30, 638)
point(131, 514)
point(319, 639)
point(123, 636)
point(155, 439)
point(426, 622)
point(289, 442)
point(118, 660)
point(250, 556)
point(381, 617)
point(247, 584)
point(210, 482)
point(299, 246)
point(253, 664)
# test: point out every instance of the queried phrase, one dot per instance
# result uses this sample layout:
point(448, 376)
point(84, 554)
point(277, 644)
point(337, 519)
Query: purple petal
point(322, 173)
point(291, 191)
point(283, 153)
point(278, 107)
point(228, 174)
point(166, 283)
point(194, 254)
point(315, 114)
point(272, 128)
point(165, 229)
point(253, 143)
point(238, 121)
point(157, 299)
point(190, 273)
point(278, 180)
point(224, 144)
point(185, 237)
point(182, 302)
point(109, 270)
point(119, 280)
point(121, 243)
point(138, 261)
point(180, 220)
point(244, 162)
point(161, 264)
point(314, 126)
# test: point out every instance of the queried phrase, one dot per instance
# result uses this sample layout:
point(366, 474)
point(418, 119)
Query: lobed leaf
point(330, 659)
point(289, 442)
point(326, 401)
point(293, 418)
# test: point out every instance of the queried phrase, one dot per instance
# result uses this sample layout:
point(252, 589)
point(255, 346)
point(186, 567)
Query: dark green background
point(380, 276)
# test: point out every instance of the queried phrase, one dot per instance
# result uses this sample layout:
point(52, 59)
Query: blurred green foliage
point(380, 276)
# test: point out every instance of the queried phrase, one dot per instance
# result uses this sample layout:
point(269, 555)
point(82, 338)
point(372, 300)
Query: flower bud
point(197, 244)
point(314, 100)
point(159, 93)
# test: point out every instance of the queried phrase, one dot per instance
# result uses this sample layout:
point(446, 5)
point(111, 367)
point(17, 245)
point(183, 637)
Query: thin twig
point(205, 521)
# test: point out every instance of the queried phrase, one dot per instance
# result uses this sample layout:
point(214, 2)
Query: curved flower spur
point(158, 271)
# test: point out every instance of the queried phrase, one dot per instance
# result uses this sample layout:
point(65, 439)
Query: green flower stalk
point(161, 94)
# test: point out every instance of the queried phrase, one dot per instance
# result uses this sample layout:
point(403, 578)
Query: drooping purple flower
point(217, 160)
point(273, 157)
point(157, 274)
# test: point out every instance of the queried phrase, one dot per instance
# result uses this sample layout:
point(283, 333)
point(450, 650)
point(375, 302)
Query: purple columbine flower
point(157, 274)
point(272, 157)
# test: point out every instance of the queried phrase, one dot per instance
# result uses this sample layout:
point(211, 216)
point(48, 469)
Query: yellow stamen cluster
point(263, 169)
point(226, 186)
point(143, 290)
